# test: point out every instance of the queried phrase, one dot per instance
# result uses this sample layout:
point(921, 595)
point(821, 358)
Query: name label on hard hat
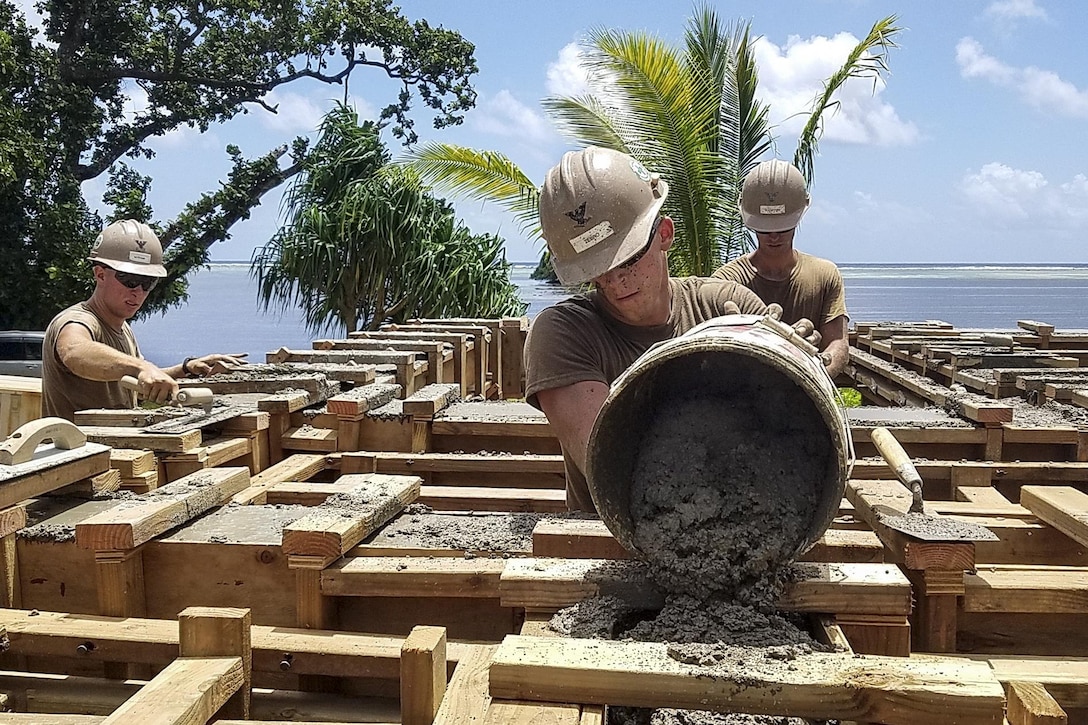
point(772, 209)
point(141, 257)
point(592, 237)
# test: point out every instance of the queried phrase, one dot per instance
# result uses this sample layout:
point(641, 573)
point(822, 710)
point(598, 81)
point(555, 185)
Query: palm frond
point(868, 59)
point(479, 175)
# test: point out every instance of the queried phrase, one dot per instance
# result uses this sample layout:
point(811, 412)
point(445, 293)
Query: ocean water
point(222, 314)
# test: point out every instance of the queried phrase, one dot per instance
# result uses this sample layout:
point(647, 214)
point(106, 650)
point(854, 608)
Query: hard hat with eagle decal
point(596, 211)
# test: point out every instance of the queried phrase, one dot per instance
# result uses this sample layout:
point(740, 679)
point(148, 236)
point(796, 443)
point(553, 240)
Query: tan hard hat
point(596, 211)
point(129, 246)
point(774, 197)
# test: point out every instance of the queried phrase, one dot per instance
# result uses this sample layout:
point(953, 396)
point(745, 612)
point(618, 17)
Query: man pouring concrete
point(600, 213)
point(89, 347)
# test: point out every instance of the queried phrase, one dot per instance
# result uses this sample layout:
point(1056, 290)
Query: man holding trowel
point(773, 199)
point(600, 215)
point(89, 347)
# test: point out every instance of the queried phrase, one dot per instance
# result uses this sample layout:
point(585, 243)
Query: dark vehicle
point(21, 353)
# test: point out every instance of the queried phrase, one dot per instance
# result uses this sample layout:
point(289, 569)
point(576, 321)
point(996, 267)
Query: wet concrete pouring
point(722, 500)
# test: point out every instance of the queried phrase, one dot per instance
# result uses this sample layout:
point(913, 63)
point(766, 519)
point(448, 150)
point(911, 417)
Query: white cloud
point(566, 75)
point(1000, 193)
point(504, 115)
point(791, 76)
point(295, 113)
point(1041, 89)
point(1007, 14)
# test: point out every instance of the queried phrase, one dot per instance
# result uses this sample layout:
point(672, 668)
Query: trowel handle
point(185, 396)
point(898, 460)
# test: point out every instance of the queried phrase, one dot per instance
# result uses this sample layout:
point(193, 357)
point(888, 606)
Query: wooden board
point(1063, 507)
point(413, 577)
point(132, 523)
point(50, 469)
point(335, 526)
point(891, 690)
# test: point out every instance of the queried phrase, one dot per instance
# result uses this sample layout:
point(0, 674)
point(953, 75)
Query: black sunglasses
point(649, 243)
point(132, 281)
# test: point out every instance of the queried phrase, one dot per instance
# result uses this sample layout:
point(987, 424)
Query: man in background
point(89, 347)
point(772, 201)
point(600, 215)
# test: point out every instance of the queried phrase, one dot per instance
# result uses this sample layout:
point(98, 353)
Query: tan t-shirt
point(814, 290)
point(64, 392)
point(576, 341)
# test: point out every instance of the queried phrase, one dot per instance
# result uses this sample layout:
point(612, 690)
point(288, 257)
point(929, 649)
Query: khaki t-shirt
point(814, 290)
point(64, 392)
point(576, 341)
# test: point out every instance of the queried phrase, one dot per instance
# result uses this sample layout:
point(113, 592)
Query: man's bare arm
point(93, 360)
point(835, 346)
point(572, 411)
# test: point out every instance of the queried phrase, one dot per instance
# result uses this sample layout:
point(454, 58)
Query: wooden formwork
point(297, 552)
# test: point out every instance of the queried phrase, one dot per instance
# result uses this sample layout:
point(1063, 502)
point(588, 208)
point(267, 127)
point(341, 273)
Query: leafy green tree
point(65, 116)
point(690, 113)
point(366, 243)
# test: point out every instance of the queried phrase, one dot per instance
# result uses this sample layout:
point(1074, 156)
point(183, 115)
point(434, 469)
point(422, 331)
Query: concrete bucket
point(721, 455)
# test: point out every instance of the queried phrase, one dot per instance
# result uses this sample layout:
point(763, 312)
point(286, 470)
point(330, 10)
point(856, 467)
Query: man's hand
point(216, 363)
point(156, 385)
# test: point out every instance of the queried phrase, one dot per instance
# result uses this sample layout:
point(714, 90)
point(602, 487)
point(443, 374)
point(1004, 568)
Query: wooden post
point(422, 675)
point(120, 581)
point(220, 632)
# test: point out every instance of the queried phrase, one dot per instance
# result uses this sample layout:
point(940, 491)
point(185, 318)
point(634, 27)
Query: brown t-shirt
point(814, 290)
point(576, 341)
point(64, 392)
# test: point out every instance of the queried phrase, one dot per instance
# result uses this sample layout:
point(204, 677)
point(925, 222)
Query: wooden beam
point(422, 675)
point(131, 523)
point(1031, 704)
point(1063, 507)
point(337, 525)
point(135, 438)
point(379, 576)
point(51, 471)
point(467, 695)
point(220, 632)
point(297, 467)
point(890, 690)
point(188, 692)
point(1025, 589)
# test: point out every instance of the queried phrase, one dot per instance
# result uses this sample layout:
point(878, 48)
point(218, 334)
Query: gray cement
point(472, 532)
point(496, 410)
point(724, 489)
point(237, 524)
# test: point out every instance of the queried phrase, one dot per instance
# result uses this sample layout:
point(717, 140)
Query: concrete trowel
point(916, 522)
point(186, 397)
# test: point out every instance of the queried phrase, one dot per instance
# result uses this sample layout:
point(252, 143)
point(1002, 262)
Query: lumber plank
point(422, 674)
point(132, 523)
point(296, 467)
point(488, 498)
point(1063, 507)
point(115, 437)
point(831, 588)
point(358, 401)
point(1022, 589)
point(467, 696)
point(512, 712)
point(340, 523)
point(188, 691)
point(891, 690)
point(309, 438)
point(50, 470)
point(379, 576)
point(1031, 704)
point(220, 632)
point(430, 399)
point(131, 462)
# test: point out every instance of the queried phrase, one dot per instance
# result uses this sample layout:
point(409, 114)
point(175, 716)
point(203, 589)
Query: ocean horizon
point(223, 315)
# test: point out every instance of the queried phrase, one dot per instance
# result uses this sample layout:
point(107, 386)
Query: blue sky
point(972, 151)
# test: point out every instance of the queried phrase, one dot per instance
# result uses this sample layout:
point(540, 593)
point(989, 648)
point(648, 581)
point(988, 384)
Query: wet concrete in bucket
point(724, 491)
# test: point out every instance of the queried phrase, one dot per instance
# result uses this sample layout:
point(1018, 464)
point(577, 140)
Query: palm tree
point(690, 113)
point(366, 243)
